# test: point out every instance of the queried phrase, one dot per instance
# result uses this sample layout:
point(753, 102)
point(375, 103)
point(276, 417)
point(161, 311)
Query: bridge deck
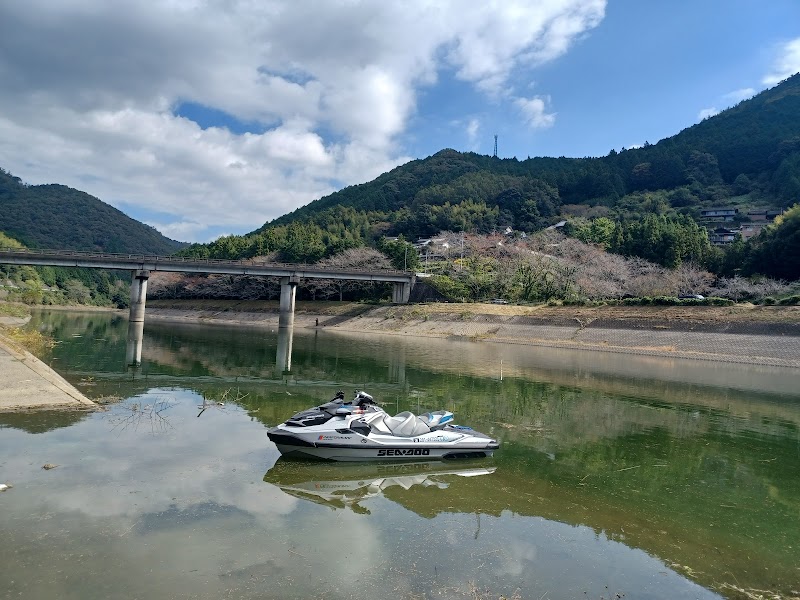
point(177, 264)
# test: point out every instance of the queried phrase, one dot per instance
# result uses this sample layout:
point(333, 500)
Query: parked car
point(499, 301)
point(692, 297)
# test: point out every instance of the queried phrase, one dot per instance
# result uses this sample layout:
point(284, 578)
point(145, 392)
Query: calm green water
point(617, 474)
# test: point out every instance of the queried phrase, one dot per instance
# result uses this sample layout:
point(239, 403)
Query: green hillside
point(747, 158)
point(58, 217)
point(751, 150)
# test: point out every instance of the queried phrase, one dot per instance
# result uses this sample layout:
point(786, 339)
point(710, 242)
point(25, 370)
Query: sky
point(212, 117)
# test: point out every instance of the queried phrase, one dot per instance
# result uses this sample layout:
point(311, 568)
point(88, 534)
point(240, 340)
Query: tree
point(402, 254)
point(354, 258)
point(776, 250)
point(703, 168)
point(303, 244)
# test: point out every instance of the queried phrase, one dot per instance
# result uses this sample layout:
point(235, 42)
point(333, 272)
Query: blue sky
point(645, 73)
point(209, 117)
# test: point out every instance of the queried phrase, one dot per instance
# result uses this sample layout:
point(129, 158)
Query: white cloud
point(534, 112)
point(473, 127)
point(707, 112)
point(739, 95)
point(90, 90)
point(786, 65)
point(532, 33)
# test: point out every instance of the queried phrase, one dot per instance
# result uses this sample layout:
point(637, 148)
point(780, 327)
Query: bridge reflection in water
point(283, 353)
point(133, 351)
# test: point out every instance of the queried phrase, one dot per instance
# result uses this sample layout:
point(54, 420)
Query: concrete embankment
point(752, 335)
point(28, 383)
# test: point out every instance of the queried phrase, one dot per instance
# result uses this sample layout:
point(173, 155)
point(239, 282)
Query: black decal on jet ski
point(404, 452)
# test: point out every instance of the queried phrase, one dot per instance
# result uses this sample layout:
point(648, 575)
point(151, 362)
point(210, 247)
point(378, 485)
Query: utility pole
point(495, 145)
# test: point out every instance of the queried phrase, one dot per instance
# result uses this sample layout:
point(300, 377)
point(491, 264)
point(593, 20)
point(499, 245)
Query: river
point(618, 475)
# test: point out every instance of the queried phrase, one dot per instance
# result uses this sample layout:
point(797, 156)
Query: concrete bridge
point(141, 266)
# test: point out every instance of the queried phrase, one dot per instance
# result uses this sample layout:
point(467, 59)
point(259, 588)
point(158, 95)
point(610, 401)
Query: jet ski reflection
point(345, 485)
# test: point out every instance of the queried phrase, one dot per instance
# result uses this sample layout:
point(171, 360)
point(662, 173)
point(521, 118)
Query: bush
point(718, 302)
point(673, 301)
point(449, 288)
point(790, 301)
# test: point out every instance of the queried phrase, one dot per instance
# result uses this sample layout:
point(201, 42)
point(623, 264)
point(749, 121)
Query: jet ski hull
point(355, 447)
point(362, 431)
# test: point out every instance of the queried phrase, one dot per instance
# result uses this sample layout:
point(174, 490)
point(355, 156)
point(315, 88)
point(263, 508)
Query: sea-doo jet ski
point(361, 430)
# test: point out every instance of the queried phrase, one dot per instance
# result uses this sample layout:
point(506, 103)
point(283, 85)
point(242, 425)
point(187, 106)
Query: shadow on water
point(41, 421)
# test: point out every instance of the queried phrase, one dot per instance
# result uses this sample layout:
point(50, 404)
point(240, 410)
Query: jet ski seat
point(436, 419)
point(406, 424)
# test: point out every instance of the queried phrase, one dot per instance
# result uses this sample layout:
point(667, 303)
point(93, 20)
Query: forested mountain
point(751, 150)
point(58, 217)
point(747, 157)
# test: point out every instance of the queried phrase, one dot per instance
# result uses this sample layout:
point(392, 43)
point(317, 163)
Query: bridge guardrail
point(122, 257)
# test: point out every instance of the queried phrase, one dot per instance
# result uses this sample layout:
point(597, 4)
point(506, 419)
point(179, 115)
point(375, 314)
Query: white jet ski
point(361, 430)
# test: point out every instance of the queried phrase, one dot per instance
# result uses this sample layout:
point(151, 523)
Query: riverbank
point(764, 335)
point(27, 383)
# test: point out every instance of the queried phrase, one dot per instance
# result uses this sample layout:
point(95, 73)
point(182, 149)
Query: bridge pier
point(288, 289)
point(138, 295)
point(133, 352)
point(401, 292)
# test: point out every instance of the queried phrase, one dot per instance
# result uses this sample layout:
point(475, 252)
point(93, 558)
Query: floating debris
point(5, 486)
point(48, 466)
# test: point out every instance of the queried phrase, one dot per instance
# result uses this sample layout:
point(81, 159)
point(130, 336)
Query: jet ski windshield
point(362, 399)
point(336, 406)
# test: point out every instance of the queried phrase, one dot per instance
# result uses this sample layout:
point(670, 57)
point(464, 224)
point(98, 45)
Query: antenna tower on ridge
point(495, 145)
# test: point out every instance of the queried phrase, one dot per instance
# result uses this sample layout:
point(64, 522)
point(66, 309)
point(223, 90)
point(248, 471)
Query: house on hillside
point(721, 236)
point(719, 214)
point(751, 229)
point(763, 214)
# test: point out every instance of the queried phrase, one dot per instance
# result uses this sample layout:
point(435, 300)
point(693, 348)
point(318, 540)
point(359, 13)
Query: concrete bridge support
point(133, 353)
point(138, 295)
point(288, 289)
point(401, 293)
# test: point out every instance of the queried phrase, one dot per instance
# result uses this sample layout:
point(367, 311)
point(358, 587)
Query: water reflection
point(41, 421)
point(135, 344)
point(133, 352)
point(182, 513)
point(347, 485)
point(283, 354)
point(610, 463)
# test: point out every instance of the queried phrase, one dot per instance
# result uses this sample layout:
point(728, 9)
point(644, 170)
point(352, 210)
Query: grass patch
point(33, 341)
point(8, 309)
